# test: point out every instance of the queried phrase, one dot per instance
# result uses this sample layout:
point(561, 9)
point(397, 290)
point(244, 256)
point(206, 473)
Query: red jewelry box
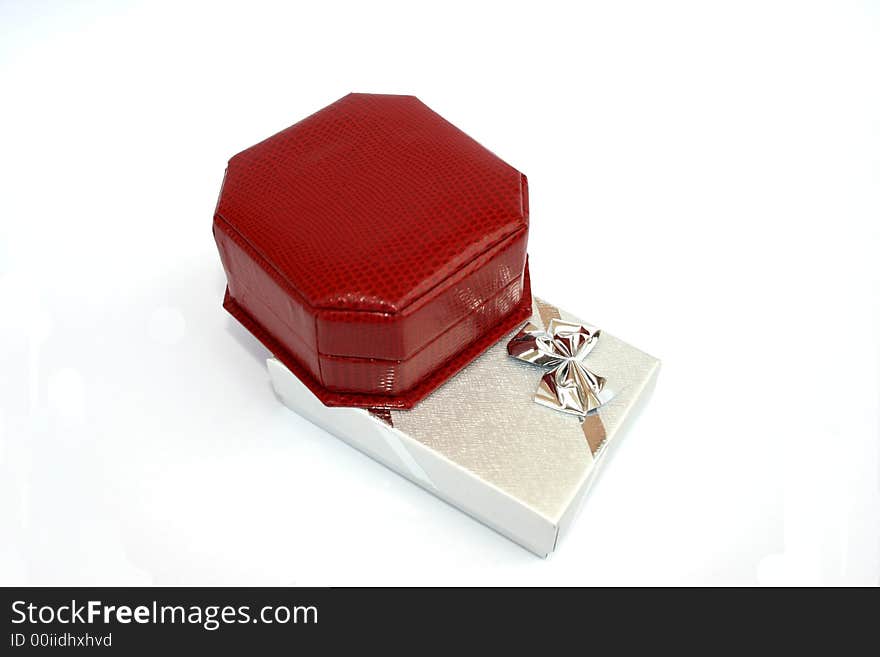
point(374, 248)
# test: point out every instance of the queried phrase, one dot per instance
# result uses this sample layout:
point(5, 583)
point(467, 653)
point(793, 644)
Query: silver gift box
point(483, 444)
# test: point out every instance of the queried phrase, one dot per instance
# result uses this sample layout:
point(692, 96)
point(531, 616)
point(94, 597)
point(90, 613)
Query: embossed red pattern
point(373, 247)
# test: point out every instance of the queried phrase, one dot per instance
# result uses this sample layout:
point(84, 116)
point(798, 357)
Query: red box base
point(410, 398)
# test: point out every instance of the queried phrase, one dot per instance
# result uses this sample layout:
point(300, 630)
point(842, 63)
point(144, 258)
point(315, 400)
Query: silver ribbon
point(570, 386)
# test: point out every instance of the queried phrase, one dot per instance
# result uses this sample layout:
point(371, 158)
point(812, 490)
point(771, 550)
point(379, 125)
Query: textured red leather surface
point(374, 248)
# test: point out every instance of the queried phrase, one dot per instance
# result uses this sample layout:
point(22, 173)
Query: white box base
point(482, 444)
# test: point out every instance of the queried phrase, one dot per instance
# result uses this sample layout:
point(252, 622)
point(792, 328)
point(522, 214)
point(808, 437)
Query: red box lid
point(374, 248)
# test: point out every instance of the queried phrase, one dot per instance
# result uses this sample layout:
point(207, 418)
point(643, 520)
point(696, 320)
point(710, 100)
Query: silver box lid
point(481, 443)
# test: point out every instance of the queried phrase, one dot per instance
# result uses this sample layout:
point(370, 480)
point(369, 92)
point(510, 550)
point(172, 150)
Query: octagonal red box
point(374, 248)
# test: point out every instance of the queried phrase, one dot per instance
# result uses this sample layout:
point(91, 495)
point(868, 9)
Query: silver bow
point(570, 386)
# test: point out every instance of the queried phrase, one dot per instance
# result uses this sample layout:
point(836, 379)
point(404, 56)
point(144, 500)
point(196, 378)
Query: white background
point(704, 184)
